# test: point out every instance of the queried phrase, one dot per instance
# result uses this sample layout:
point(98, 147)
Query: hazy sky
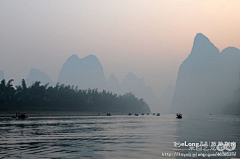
point(150, 38)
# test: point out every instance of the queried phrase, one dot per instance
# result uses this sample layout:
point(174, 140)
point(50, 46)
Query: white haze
point(148, 38)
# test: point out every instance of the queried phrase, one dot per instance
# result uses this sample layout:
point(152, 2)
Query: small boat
point(108, 114)
point(179, 116)
point(20, 115)
point(136, 114)
point(142, 113)
point(153, 113)
point(129, 113)
point(158, 114)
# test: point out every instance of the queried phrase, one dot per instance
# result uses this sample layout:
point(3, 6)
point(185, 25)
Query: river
point(116, 136)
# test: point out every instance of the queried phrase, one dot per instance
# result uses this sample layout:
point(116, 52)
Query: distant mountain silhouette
point(132, 82)
point(114, 85)
point(207, 79)
point(137, 86)
point(1, 75)
point(84, 73)
point(88, 73)
point(113, 81)
point(166, 99)
point(37, 75)
point(234, 106)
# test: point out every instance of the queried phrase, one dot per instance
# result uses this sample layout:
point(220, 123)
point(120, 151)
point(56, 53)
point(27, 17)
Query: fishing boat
point(158, 114)
point(20, 115)
point(136, 114)
point(179, 116)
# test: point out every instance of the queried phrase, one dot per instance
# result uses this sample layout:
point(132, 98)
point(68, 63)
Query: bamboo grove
point(68, 98)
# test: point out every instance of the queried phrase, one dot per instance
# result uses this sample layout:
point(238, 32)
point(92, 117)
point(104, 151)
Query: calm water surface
point(119, 136)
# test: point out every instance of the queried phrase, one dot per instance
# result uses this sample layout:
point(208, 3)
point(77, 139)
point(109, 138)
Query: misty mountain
point(166, 99)
point(207, 79)
point(113, 81)
point(88, 73)
point(1, 75)
point(114, 85)
point(37, 75)
point(84, 73)
point(132, 83)
point(137, 86)
point(234, 106)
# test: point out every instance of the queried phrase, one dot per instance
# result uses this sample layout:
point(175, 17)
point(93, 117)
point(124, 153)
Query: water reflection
point(108, 137)
point(210, 128)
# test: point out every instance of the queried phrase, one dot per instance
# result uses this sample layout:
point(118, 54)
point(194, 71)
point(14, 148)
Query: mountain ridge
point(37, 75)
point(206, 78)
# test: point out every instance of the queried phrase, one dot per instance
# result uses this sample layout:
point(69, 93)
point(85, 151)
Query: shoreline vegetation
point(39, 97)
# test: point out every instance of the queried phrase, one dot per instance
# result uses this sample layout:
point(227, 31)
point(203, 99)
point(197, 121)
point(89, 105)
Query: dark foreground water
point(119, 136)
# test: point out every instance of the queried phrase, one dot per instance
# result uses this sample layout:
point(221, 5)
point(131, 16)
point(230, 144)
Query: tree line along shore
point(61, 97)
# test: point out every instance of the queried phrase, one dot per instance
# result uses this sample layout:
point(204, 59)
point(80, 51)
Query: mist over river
point(116, 136)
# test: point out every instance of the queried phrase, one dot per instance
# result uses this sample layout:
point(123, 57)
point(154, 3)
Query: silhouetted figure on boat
point(108, 114)
point(179, 116)
point(20, 116)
